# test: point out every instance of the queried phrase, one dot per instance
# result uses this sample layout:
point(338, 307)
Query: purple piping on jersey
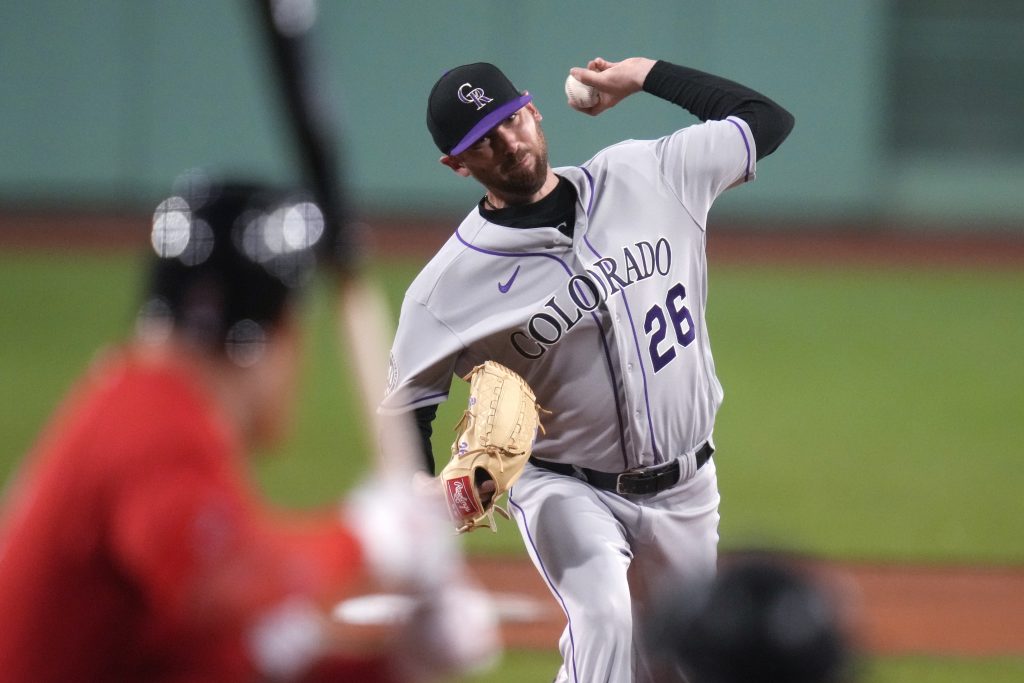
point(491, 252)
point(618, 405)
point(604, 342)
point(590, 181)
point(746, 143)
point(640, 360)
point(551, 585)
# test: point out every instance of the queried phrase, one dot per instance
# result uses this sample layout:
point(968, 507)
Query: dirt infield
point(894, 609)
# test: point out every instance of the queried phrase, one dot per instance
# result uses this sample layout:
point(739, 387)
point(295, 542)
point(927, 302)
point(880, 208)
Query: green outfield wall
point(906, 110)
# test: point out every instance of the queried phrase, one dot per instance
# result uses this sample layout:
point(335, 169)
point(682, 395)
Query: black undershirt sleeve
point(710, 97)
point(424, 425)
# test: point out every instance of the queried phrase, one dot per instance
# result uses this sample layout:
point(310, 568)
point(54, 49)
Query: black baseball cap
point(467, 102)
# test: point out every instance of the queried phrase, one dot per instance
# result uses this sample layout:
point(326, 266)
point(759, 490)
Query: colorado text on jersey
point(583, 293)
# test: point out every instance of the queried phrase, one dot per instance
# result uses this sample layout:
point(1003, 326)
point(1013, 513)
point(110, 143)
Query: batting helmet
point(228, 257)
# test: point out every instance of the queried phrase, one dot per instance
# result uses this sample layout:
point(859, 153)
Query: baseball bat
point(363, 315)
point(363, 321)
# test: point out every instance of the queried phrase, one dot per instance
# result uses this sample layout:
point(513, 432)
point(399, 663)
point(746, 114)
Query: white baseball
point(580, 96)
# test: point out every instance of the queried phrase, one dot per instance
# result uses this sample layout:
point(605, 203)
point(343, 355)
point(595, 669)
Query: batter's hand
point(614, 81)
point(405, 532)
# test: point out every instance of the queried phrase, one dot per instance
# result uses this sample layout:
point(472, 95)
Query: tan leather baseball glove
point(495, 439)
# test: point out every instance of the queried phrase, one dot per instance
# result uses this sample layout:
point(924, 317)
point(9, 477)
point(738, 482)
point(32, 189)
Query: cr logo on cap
point(475, 96)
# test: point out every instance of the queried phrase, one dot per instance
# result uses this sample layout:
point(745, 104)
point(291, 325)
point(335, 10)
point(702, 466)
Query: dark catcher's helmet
point(761, 620)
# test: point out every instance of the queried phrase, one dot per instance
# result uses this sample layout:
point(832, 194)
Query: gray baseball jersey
point(607, 327)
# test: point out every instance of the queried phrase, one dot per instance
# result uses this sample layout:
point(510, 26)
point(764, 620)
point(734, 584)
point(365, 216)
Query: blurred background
point(867, 291)
point(907, 109)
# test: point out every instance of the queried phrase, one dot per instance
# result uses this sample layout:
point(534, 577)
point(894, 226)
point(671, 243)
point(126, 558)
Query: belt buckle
point(637, 475)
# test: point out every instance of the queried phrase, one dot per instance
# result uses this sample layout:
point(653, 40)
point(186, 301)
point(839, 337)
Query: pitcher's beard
point(525, 181)
point(518, 185)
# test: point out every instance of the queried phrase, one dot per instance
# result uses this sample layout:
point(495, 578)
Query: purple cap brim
point(490, 121)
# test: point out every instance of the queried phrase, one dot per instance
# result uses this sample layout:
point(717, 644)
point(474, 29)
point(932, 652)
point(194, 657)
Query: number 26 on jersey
point(661, 319)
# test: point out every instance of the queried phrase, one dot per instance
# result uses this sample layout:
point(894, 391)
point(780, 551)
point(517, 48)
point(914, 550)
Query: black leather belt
point(644, 480)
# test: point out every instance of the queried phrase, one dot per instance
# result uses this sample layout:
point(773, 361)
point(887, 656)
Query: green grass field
point(520, 667)
point(532, 667)
point(870, 413)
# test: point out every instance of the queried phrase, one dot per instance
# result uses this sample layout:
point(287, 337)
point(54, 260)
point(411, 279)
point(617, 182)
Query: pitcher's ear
point(454, 164)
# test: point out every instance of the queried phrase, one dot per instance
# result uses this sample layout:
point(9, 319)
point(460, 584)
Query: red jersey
point(132, 547)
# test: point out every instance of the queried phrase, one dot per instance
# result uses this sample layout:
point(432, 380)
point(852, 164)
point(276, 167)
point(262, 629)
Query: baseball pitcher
point(590, 282)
